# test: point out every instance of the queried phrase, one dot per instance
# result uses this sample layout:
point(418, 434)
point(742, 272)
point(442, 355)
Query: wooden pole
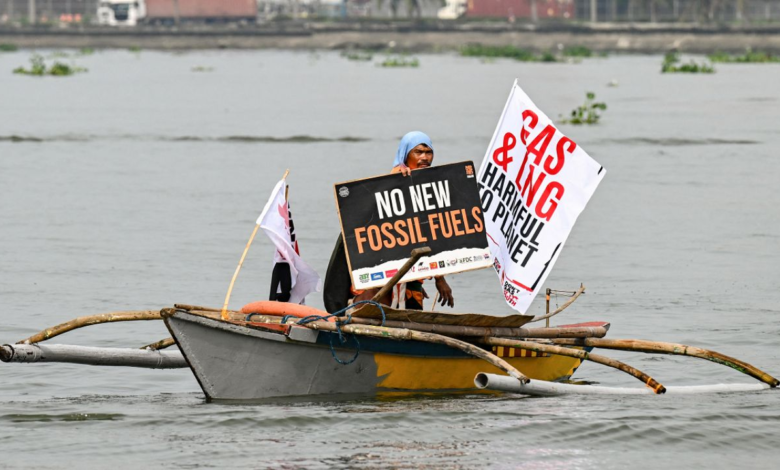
point(162, 344)
point(81, 322)
point(455, 330)
point(658, 347)
point(417, 253)
point(225, 316)
point(560, 309)
point(580, 354)
point(411, 335)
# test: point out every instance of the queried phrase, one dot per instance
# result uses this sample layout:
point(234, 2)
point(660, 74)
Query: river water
point(136, 186)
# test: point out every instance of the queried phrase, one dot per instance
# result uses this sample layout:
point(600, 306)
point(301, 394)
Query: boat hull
point(234, 362)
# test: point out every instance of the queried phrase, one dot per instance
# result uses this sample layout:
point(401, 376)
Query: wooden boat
point(235, 360)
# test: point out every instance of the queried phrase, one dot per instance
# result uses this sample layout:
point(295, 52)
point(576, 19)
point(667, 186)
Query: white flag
point(534, 182)
point(275, 222)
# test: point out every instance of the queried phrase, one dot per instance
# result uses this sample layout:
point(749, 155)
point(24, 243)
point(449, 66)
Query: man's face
point(419, 157)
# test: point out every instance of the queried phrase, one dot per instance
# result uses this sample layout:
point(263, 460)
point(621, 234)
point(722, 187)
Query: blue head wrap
point(408, 142)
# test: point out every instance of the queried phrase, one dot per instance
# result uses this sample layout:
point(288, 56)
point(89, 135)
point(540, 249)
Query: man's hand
point(403, 169)
point(445, 293)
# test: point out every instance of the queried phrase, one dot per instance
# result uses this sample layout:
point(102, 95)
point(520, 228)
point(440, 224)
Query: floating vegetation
point(358, 56)
point(490, 53)
point(398, 61)
point(134, 49)
point(201, 68)
point(86, 51)
point(5, 47)
point(671, 64)
point(509, 52)
point(38, 68)
point(577, 51)
point(587, 113)
point(749, 57)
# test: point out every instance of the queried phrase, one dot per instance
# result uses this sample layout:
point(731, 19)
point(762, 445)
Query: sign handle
point(417, 253)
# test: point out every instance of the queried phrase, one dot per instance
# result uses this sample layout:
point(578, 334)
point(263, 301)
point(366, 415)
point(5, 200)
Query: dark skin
point(418, 158)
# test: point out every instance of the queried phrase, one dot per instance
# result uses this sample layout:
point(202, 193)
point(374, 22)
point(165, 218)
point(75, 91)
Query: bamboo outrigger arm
point(406, 334)
point(659, 347)
point(80, 322)
point(125, 357)
point(578, 353)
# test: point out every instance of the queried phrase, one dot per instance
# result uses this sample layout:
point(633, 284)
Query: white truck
point(121, 12)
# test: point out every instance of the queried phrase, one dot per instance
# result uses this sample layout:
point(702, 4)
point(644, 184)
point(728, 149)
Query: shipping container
point(200, 10)
point(520, 9)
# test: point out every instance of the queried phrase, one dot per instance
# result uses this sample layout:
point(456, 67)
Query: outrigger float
point(275, 349)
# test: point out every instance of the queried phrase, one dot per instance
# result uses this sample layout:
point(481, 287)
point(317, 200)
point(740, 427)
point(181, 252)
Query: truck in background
point(133, 12)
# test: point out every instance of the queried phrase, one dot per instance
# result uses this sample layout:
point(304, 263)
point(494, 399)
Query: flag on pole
point(292, 276)
point(534, 182)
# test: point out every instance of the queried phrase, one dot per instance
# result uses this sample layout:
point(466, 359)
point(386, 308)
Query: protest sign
point(385, 217)
point(534, 182)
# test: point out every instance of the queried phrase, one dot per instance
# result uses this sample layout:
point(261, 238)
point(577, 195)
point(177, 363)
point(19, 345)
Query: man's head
point(415, 151)
point(419, 157)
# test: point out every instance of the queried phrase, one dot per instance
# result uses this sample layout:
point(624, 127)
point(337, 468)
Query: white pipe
point(92, 356)
point(546, 389)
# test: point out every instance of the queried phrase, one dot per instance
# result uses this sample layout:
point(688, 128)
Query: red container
point(520, 8)
point(201, 9)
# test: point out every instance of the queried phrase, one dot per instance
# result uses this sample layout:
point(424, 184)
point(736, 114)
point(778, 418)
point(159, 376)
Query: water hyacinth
point(671, 64)
point(587, 113)
point(38, 68)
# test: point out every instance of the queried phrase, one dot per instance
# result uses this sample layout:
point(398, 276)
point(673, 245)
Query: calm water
point(136, 186)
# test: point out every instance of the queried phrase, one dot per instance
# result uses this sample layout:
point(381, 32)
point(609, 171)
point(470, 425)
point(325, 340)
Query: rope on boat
point(339, 324)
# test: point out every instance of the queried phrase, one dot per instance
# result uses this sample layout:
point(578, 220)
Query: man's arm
point(445, 292)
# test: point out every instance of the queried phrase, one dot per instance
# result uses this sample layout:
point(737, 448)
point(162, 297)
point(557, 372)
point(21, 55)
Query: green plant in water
point(749, 57)
point(358, 56)
point(5, 47)
point(577, 51)
point(399, 62)
point(201, 68)
point(509, 52)
point(38, 68)
point(134, 49)
point(86, 51)
point(671, 64)
point(587, 113)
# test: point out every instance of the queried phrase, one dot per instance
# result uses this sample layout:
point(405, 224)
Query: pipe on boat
point(126, 357)
point(542, 388)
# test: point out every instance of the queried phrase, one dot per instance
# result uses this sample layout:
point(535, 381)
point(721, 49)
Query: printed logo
point(441, 264)
point(423, 268)
point(343, 191)
point(363, 278)
point(377, 276)
point(469, 171)
point(467, 259)
point(391, 273)
point(434, 265)
point(486, 256)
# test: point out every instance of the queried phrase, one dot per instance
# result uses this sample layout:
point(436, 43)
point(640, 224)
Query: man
point(415, 151)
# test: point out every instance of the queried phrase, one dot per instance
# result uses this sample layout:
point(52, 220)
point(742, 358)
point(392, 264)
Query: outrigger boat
point(275, 349)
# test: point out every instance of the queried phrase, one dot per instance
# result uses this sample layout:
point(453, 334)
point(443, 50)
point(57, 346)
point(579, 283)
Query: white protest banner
point(275, 221)
point(534, 182)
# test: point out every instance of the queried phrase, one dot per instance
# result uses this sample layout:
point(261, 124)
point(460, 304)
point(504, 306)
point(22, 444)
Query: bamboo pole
point(417, 253)
point(563, 307)
point(162, 344)
point(241, 262)
point(580, 354)
point(454, 330)
point(411, 335)
point(80, 322)
point(659, 347)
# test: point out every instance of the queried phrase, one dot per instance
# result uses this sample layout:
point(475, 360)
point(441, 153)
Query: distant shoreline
point(407, 37)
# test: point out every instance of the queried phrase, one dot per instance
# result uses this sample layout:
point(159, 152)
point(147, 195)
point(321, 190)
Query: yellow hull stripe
point(422, 373)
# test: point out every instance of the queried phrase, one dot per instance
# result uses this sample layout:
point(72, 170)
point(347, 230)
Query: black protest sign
point(384, 218)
